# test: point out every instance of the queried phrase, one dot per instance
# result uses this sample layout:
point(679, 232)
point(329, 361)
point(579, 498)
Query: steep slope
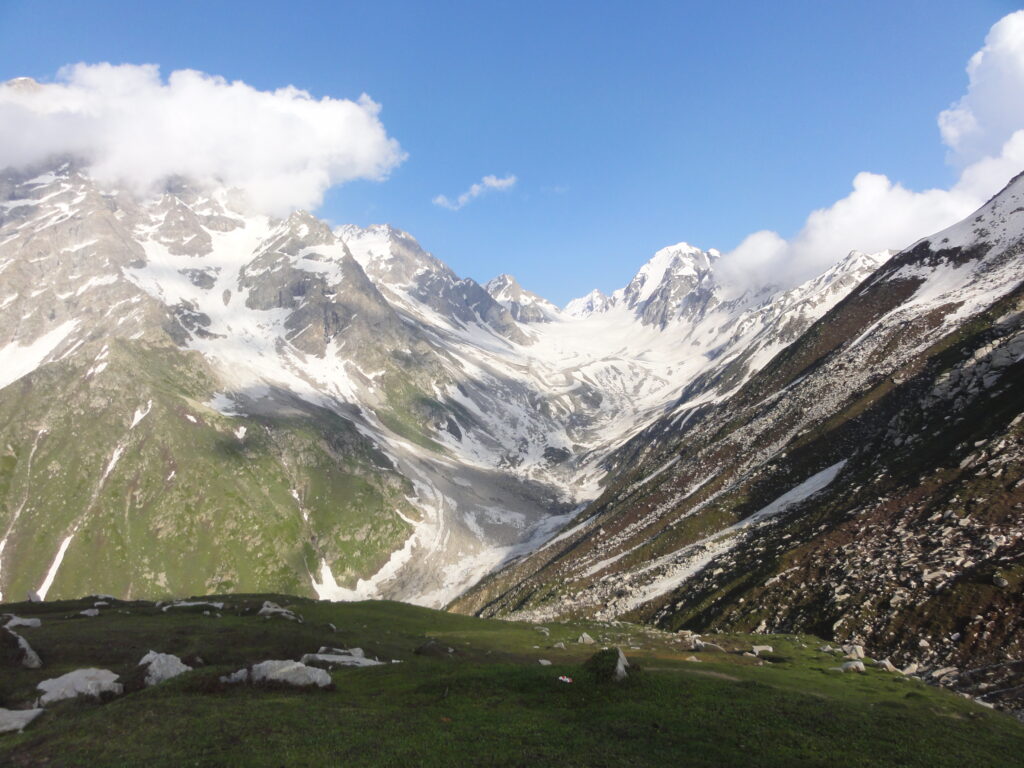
point(361, 420)
point(866, 484)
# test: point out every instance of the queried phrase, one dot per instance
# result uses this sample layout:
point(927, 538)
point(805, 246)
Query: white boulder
point(162, 666)
point(90, 612)
point(759, 649)
point(621, 666)
point(81, 682)
point(17, 719)
point(585, 639)
point(28, 657)
point(281, 671)
point(273, 609)
point(853, 666)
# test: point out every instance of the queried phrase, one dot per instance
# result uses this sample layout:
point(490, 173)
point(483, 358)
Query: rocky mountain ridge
point(357, 418)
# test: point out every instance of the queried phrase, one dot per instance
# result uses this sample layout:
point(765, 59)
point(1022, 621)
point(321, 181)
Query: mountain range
point(195, 398)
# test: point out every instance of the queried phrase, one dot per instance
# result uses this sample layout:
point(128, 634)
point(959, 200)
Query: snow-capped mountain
point(219, 400)
point(862, 478)
point(523, 305)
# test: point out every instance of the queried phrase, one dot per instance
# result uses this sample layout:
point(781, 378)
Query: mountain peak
point(525, 306)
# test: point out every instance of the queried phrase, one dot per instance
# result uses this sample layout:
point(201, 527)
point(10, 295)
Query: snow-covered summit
point(593, 302)
point(525, 306)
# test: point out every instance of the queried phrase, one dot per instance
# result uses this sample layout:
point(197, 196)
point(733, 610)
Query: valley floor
point(477, 696)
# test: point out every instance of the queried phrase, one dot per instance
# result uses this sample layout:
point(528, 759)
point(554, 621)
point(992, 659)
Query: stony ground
point(467, 691)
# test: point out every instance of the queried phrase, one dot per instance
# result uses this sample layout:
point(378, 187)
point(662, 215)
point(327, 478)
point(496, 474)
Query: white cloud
point(985, 133)
point(985, 118)
point(283, 148)
point(486, 183)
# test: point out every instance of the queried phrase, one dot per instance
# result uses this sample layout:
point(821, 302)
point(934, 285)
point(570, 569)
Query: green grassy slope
point(187, 499)
point(488, 702)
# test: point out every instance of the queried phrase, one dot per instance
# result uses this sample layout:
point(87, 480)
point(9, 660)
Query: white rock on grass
point(886, 665)
point(544, 662)
point(853, 666)
point(854, 651)
point(91, 612)
point(292, 672)
point(559, 645)
point(585, 639)
point(759, 649)
point(17, 719)
point(281, 671)
point(17, 621)
point(340, 657)
point(621, 666)
point(28, 657)
point(273, 609)
point(162, 666)
point(190, 604)
point(81, 682)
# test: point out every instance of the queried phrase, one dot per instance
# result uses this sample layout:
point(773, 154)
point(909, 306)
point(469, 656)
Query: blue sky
point(628, 126)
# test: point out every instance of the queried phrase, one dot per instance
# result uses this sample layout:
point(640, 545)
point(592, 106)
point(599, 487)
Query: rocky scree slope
point(866, 485)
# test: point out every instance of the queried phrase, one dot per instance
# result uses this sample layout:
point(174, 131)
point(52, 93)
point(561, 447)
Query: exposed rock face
point(524, 306)
point(866, 485)
point(340, 413)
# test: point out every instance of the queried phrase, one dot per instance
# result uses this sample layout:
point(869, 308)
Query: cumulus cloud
point(475, 190)
point(984, 131)
point(283, 147)
point(992, 110)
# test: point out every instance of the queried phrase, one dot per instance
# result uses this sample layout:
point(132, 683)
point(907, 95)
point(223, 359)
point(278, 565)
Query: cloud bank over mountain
point(284, 148)
point(984, 131)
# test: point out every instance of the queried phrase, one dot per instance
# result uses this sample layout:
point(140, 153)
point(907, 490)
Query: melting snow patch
point(81, 682)
point(17, 621)
point(140, 414)
point(273, 609)
point(52, 573)
point(17, 360)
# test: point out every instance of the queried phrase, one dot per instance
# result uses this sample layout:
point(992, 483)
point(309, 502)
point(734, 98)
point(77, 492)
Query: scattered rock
point(910, 669)
point(434, 649)
point(273, 609)
point(585, 639)
point(621, 666)
point(339, 657)
point(609, 665)
point(759, 649)
point(82, 682)
point(544, 662)
point(162, 666)
point(692, 658)
point(291, 672)
point(853, 666)
point(91, 612)
point(189, 604)
point(853, 651)
point(17, 719)
point(886, 665)
point(1000, 582)
point(940, 673)
point(17, 621)
point(24, 654)
point(559, 645)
